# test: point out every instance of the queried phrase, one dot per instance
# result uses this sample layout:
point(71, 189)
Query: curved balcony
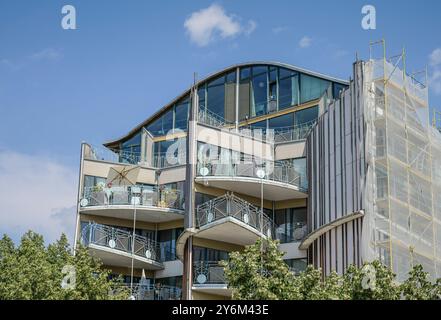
point(208, 277)
point(281, 181)
point(229, 218)
point(113, 246)
point(152, 204)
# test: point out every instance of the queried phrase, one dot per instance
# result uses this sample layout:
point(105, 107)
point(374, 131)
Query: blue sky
point(126, 59)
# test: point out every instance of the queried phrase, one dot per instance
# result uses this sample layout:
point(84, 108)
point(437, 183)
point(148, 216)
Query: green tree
point(260, 274)
point(419, 287)
point(32, 271)
point(373, 281)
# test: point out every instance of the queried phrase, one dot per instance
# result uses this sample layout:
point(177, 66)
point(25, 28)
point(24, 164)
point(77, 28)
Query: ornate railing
point(120, 240)
point(208, 272)
point(212, 119)
point(149, 291)
point(229, 205)
point(274, 170)
point(139, 196)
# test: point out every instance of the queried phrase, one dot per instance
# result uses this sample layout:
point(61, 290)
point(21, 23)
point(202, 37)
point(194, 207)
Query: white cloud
point(305, 42)
point(205, 25)
point(47, 54)
point(435, 57)
point(435, 72)
point(36, 193)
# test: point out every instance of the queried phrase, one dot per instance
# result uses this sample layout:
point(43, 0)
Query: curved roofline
point(212, 75)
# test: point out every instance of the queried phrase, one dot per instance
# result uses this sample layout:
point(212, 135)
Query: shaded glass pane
point(181, 115)
point(306, 115)
point(217, 81)
point(259, 70)
point(231, 77)
point(337, 88)
point(283, 73)
point(201, 96)
point(284, 121)
point(259, 95)
point(273, 75)
point(162, 125)
point(216, 100)
point(289, 224)
point(288, 92)
point(312, 88)
point(245, 73)
point(300, 168)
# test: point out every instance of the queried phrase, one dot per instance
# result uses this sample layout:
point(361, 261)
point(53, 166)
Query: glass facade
point(175, 117)
point(290, 224)
point(167, 243)
point(208, 254)
point(312, 88)
point(297, 265)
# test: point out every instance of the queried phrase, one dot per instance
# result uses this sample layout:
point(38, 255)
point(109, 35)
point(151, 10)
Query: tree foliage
point(32, 271)
point(259, 272)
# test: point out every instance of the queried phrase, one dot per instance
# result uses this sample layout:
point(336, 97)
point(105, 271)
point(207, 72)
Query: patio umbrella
point(122, 175)
point(126, 176)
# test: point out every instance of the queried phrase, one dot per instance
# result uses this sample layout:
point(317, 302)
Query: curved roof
point(217, 73)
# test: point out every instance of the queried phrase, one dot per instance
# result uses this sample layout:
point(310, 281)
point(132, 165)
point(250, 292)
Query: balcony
point(153, 204)
point(158, 161)
point(110, 155)
point(150, 291)
point(280, 182)
point(229, 218)
point(113, 247)
point(208, 277)
point(271, 135)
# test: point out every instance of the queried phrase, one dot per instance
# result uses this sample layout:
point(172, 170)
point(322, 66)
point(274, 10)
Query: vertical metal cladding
point(336, 169)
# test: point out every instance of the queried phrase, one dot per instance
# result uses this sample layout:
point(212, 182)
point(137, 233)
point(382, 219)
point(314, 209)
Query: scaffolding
point(403, 180)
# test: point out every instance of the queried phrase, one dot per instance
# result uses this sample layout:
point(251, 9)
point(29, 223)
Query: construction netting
point(402, 224)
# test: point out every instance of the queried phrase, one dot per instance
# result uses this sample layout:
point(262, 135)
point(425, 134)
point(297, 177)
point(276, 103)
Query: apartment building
point(340, 172)
point(218, 167)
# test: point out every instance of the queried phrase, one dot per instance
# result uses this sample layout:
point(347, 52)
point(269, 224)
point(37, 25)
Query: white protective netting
point(402, 223)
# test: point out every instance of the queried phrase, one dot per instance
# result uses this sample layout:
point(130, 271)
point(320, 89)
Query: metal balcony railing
point(229, 205)
point(139, 196)
point(161, 160)
point(208, 272)
point(275, 171)
point(120, 240)
point(109, 155)
point(150, 291)
point(212, 119)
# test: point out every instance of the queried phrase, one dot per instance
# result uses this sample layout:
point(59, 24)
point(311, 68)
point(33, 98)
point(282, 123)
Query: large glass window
point(312, 88)
point(297, 265)
point(280, 122)
point(299, 165)
point(162, 125)
point(290, 224)
point(288, 91)
point(306, 116)
point(208, 254)
point(181, 114)
point(167, 243)
point(131, 150)
point(216, 97)
point(259, 92)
